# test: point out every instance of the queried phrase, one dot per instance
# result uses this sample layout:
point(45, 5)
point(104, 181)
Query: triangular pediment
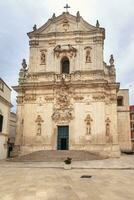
point(64, 23)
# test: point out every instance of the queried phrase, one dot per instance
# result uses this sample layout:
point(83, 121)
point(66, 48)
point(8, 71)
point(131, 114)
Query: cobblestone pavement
point(113, 180)
point(60, 184)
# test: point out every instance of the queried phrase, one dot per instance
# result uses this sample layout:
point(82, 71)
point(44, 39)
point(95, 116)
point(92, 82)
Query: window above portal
point(65, 65)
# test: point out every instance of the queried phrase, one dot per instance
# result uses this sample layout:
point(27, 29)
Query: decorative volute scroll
point(39, 122)
point(43, 57)
point(88, 121)
point(108, 134)
point(88, 54)
point(65, 50)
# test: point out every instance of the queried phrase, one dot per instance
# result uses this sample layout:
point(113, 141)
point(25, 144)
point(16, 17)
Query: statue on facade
point(111, 61)
point(23, 71)
point(97, 24)
point(88, 57)
point(53, 16)
point(39, 123)
point(24, 64)
point(108, 134)
point(78, 16)
point(88, 121)
point(34, 27)
point(43, 58)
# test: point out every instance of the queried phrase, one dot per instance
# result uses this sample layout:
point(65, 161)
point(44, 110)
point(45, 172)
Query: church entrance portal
point(63, 138)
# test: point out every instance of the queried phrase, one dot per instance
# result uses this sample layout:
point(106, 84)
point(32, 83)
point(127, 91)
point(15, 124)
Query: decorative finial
point(34, 27)
point(97, 24)
point(67, 7)
point(111, 61)
point(24, 64)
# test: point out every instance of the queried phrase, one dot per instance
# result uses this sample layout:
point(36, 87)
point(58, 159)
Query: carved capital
point(20, 99)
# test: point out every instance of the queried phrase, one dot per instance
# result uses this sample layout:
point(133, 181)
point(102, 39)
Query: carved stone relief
point(68, 51)
point(63, 111)
point(49, 98)
point(62, 115)
point(99, 97)
point(88, 100)
point(30, 97)
point(65, 24)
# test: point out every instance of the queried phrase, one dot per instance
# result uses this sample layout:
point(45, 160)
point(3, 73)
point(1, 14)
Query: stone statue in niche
point(108, 135)
point(39, 129)
point(88, 58)
point(88, 54)
point(88, 121)
point(39, 123)
point(43, 58)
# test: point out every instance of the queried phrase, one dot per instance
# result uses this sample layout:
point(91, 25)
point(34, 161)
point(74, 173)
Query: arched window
point(1, 122)
point(65, 65)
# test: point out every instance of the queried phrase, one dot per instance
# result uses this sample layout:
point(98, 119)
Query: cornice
point(5, 102)
point(75, 84)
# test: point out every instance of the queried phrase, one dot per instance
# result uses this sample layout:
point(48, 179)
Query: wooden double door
point(63, 138)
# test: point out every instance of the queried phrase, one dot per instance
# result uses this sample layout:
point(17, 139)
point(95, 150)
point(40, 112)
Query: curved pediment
point(64, 23)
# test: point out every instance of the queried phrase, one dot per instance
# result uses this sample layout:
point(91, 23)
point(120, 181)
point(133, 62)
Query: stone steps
point(53, 155)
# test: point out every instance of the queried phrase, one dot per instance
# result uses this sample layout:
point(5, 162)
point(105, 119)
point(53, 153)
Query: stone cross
point(66, 7)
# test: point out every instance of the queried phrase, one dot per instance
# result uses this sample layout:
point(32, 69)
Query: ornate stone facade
point(67, 84)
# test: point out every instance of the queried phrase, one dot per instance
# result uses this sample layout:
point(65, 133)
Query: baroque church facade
point(67, 95)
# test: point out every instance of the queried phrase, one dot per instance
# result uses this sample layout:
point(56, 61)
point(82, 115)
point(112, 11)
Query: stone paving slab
point(60, 184)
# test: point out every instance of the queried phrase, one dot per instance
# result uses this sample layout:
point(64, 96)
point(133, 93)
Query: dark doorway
point(65, 65)
point(63, 138)
point(1, 123)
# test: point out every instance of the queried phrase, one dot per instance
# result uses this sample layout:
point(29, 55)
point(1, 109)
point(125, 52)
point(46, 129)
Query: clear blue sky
point(17, 17)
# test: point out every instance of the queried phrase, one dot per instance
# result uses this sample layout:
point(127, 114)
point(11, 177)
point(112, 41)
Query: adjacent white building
point(5, 105)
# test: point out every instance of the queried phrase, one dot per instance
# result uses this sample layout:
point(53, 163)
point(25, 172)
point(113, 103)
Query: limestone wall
point(124, 122)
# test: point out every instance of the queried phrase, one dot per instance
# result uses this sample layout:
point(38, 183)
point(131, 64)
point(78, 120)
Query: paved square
point(22, 183)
